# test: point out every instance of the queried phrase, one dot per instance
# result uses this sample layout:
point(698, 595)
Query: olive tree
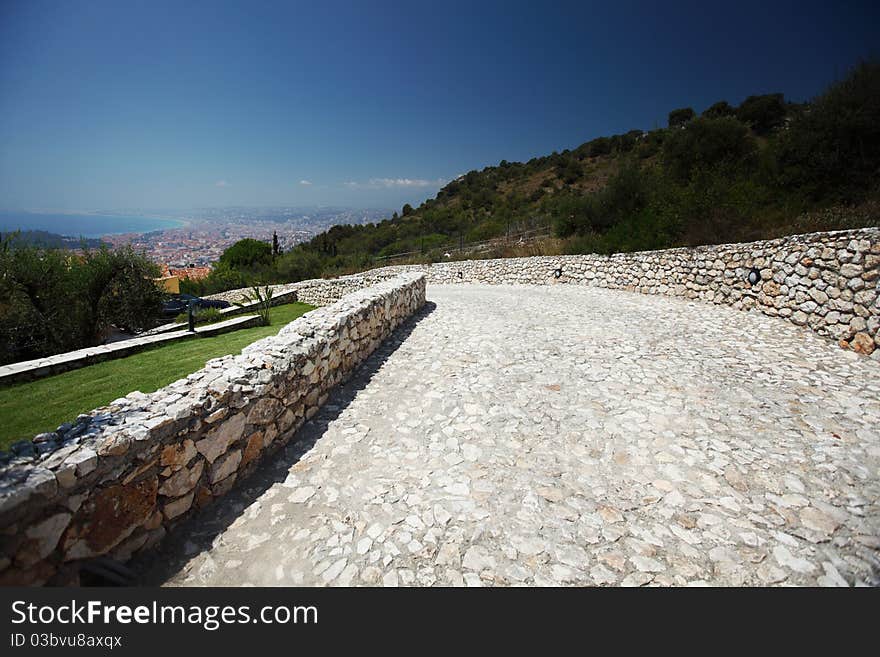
point(53, 300)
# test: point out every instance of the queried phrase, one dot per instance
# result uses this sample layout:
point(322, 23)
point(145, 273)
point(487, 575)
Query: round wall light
point(754, 276)
point(557, 273)
point(460, 275)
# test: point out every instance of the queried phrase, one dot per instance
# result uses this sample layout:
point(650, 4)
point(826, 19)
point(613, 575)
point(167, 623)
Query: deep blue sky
point(110, 104)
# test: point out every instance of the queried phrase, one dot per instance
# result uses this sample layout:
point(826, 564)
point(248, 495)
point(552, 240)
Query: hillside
point(46, 240)
point(765, 168)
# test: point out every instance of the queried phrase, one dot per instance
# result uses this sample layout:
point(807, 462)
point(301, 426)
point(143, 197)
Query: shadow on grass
point(197, 533)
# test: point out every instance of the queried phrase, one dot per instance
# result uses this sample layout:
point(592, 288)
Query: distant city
point(199, 237)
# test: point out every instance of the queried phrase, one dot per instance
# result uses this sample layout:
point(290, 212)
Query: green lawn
point(27, 409)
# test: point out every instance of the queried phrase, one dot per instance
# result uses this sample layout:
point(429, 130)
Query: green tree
point(222, 278)
point(719, 110)
point(35, 287)
point(762, 113)
point(707, 143)
point(115, 288)
point(600, 146)
point(569, 171)
point(247, 253)
point(299, 265)
point(832, 150)
point(55, 300)
point(626, 194)
point(679, 117)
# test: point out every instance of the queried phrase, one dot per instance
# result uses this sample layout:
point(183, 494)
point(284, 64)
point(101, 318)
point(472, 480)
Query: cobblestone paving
point(567, 435)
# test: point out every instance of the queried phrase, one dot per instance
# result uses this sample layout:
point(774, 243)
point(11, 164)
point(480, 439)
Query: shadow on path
point(197, 533)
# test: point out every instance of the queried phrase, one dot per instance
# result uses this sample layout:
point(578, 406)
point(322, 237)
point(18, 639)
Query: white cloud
point(389, 183)
point(221, 183)
point(403, 182)
point(305, 182)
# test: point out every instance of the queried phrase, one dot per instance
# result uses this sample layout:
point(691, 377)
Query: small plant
point(208, 316)
point(263, 299)
point(201, 316)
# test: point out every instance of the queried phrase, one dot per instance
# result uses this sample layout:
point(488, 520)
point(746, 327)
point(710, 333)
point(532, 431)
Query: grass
point(30, 408)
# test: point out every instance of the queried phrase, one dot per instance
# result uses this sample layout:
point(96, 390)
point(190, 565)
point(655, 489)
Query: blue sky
point(112, 104)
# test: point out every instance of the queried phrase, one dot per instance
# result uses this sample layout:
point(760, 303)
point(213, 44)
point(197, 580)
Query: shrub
point(679, 117)
point(485, 231)
point(201, 316)
point(707, 143)
point(762, 113)
point(210, 315)
point(832, 150)
point(651, 143)
point(719, 110)
point(299, 265)
point(247, 253)
point(626, 194)
point(600, 146)
point(589, 243)
point(569, 171)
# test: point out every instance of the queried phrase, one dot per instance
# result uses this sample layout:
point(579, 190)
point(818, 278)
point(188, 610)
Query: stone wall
point(320, 291)
point(285, 293)
point(56, 364)
point(828, 282)
point(117, 479)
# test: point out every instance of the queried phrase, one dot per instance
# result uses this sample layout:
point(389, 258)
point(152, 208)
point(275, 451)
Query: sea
point(82, 225)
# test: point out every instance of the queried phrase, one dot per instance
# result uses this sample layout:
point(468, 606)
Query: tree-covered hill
point(764, 168)
point(46, 240)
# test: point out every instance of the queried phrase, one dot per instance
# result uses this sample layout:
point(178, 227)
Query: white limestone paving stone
point(568, 435)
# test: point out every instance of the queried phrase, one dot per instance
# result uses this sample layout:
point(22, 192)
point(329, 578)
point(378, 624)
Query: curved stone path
point(567, 435)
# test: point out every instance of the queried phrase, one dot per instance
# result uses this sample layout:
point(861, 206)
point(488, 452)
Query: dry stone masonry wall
point(319, 291)
point(117, 479)
point(828, 282)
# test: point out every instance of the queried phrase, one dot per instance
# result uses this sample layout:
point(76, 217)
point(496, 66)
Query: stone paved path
point(566, 435)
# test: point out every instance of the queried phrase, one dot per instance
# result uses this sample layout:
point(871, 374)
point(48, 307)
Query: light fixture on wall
point(754, 276)
point(460, 275)
point(557, 273)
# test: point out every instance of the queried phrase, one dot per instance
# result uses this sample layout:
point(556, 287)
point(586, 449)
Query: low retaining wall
point(50, 365)
point(117, 479)
point(281, 296)
point(38, 368)
point(320, 291)
point(828, 282)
